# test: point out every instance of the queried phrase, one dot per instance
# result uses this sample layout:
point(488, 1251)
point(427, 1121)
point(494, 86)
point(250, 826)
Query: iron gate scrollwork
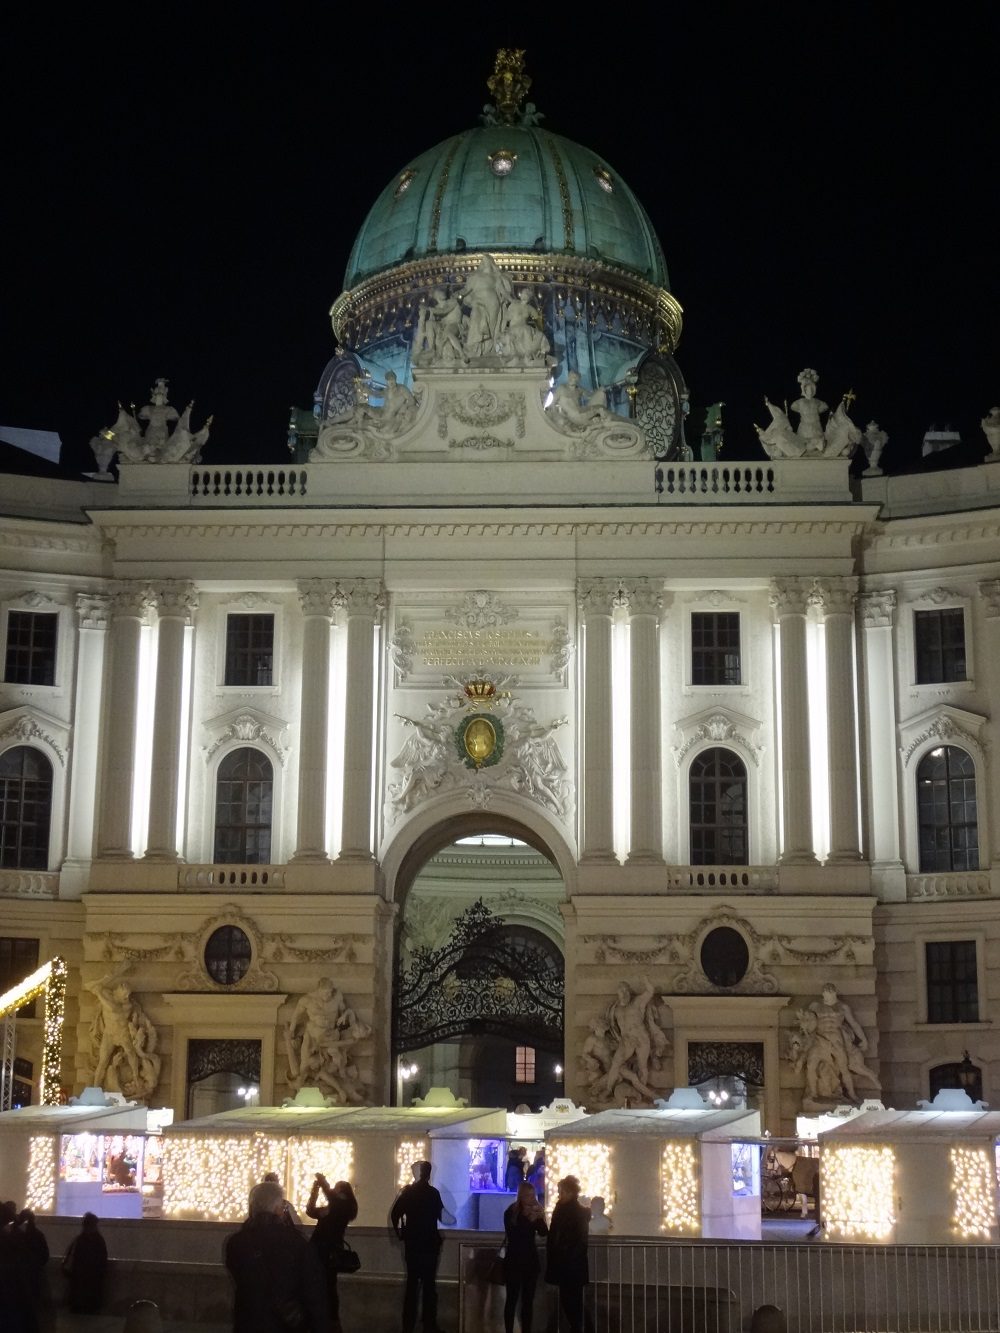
point(487, 978)
point(717, 1059)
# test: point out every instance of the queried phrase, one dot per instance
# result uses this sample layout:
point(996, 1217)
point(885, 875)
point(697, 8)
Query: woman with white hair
point(279, 1285)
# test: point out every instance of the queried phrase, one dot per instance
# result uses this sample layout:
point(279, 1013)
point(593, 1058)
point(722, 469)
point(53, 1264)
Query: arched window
point(243, 792)
point(946, 811)
point(25, 808)
point(718, 809)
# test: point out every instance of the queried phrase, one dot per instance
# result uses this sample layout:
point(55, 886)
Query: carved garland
point(26, 729)
point(248, 729)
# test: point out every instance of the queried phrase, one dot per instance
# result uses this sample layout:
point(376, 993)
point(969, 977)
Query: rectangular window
point(524, 1064)
point(31, 648)
point(715, 648)
point(952, 981)
point(18, 959)
point(940, 645)
point(249, 650)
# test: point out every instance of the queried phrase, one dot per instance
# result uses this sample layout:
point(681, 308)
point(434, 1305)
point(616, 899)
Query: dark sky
point(183, 185)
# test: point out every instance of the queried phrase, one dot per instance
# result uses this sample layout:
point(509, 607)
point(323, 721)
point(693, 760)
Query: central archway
point(479, 972)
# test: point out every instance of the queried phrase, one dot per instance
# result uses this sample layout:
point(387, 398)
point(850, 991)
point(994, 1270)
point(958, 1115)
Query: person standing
point(566, 1252)
point(522, 1222)
point(415, 1215)
point(332, 1221)
point(278, 1281)
point(85, 1264)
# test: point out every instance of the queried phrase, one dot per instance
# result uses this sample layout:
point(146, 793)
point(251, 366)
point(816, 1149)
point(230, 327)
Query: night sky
point(184, 184)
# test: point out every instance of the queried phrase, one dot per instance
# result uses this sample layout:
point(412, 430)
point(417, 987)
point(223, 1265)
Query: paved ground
point(115, 1323)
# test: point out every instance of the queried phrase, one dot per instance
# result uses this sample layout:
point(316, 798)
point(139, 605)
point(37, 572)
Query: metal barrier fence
point(701, 1287)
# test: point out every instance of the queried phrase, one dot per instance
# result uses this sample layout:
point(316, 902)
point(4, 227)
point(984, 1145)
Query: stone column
point(597, 599)
point(175, 604)
point(879, 714)
point(364, 601)
point(318, 598)
point(645, 602)
point(835, 599)
point(93, 611)
point(789, 602)
point(130, 611)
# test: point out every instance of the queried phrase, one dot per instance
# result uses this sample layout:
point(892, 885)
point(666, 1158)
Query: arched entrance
point(479, 971)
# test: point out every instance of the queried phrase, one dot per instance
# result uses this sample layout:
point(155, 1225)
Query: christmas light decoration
point(50, 980)
point(333, 1157)
point(679, 1188)
point(40, 1191)
point(409, 1151)
point(973, 1187)
point(208, 1176)
point(589, 1161)
point(858, 1192)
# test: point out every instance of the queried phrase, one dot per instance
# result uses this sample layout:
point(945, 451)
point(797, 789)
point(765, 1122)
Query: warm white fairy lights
point(408, 1151)
point(50, 980)
point(270, 1153)
point(40, 1192)
point(588, 1160)
point(858, 1192)
point(679, 1189)
point(306, 1155)
point(208, 1176)
point(973, 1188)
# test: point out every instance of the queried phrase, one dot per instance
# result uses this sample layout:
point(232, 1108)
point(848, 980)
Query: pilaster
point(790, 604)
point(645, 602)
point(835, 599)
point(318, 598)
point(597, 599)
point(93, 611)
point(176, 603)
point(131, 605)
point(363, 604)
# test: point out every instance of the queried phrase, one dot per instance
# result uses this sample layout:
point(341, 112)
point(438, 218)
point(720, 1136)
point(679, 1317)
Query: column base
point(162, 854)
point(843, 858)
point(310, 857)
point(644, 859)
point(798, 859)
point(358, 857)
point(599, 859)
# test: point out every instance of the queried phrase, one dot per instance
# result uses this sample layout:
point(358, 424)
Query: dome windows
point(502, 162)
point(603, 178)
point(404, 183)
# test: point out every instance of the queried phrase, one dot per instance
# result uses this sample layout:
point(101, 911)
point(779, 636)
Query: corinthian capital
point(989, 591)
point(93, 610)
point(877, 608)
point(363, 597)
point(132, 601)
point(835, 597)
point(318, 597)
point(175, 600)
point(599, 596)
point(644, 598)
point(790, 597)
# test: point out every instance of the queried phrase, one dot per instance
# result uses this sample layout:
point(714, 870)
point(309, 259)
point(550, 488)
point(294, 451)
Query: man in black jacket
point(415, 1215)
point(279, 1286)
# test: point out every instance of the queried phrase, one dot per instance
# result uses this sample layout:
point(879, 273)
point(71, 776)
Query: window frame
point(905, 638)
point(34, 602)
point(951, 869)
point(231, 615)
point(54, 812)
point(919, 612)
point(716, 651)
point(951, 936)
point(32, 615)
point(749, 805)
point(231, 750)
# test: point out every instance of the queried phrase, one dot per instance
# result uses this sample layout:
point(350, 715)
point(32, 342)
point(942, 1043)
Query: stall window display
point(493, 1163)
point(746, 1170)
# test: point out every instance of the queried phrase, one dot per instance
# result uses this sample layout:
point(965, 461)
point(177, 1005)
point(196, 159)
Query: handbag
point(345, 1260)
point(497, 1272)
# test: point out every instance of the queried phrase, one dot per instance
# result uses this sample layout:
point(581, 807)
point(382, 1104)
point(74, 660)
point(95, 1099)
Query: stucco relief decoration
point(189, 946)
point(690, 978)
point(367, 429)
point(319, 1041)
point(989, 591)
point(482, 740)
point(952, 726)
point(585, 418)
point(838, 438)
point(402, 649)
point(250, 729)
point(93, 610)
point(23, 726)
point(184, 946)
point(828, 1048)
point(29, 884)
point(124, 1040)
point(35, 599)
point(481, 609)
point(877, 608)
point(624, 1052)
point(482, 411)
point(721, 727)
point(164, 435)
point(938, 596)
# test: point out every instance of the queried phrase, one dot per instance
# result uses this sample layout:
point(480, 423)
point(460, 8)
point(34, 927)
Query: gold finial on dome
point(508, 84)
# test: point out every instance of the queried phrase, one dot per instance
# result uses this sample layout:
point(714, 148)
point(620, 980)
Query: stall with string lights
point(49, 981)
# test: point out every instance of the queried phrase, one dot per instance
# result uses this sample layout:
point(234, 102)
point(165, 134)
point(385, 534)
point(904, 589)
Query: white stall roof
point(341, 1120)
point(914, 1126)
point(73, 1119)
point(708, 1124)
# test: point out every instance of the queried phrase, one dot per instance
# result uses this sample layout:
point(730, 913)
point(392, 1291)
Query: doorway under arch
point(479, 971)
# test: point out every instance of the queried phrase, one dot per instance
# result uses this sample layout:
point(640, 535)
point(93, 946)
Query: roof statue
point(509, 85)
point(165, 437)
point(873, 442)
point(837, 439)
point(991, 429)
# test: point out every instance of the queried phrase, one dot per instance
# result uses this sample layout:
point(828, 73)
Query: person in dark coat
point(332, 1220)
point(16, 1312)
point(522, 1222)
point(85, 1264)
point(415, 1215)
point(279, 1285)
point(566, 1252)
point(514, 1172)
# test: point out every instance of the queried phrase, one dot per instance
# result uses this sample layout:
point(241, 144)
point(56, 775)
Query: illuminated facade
point(742, 713)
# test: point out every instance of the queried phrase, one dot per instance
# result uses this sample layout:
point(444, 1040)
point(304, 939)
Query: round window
point(227, 955)
point(724, 956)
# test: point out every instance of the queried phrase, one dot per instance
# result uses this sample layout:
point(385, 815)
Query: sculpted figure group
point(829, 1049)
point(318, 1041)
point(625, 1046)
point(483, 319)
point(837, 439)
point(164, 437)
point(124, 1039)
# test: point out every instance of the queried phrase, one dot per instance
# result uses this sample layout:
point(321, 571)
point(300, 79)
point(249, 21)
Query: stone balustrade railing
point(198, 878)
point(963, 884)
point(29, 884)
point(728, 879)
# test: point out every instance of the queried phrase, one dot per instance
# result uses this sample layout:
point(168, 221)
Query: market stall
point(70, 1160)
point(665, 1172)
point(926, 1177)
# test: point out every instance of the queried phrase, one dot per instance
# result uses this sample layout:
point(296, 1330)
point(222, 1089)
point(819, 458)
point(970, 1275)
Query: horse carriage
point(789, 1178)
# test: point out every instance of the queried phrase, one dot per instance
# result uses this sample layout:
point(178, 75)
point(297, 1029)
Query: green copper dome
point(504, 187)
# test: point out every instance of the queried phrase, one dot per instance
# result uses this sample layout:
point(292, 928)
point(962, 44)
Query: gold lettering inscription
point(474, 647)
